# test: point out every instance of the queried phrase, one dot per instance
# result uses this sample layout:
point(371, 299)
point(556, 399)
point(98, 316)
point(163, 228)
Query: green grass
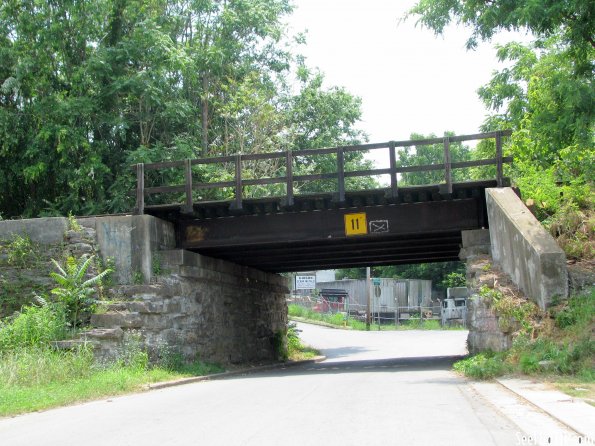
point(338, 320)
point(566, 351)
point(296, 350)
point(40, 378)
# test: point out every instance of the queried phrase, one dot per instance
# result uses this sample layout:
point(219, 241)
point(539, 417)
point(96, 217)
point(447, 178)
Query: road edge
point(222, 375)
point(565, 420)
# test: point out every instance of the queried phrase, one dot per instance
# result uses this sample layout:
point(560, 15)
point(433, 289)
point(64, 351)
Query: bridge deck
point(422, 225)
point(393, 225)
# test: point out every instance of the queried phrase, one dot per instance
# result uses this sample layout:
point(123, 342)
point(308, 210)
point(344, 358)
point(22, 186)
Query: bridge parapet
point(288, 161)
point(524, 249)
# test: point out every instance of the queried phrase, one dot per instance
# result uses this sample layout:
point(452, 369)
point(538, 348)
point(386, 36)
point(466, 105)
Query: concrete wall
point(524, 249)
point(132, 241)
point(45, 231)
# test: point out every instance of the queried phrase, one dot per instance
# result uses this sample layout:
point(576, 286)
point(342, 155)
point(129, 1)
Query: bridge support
point(187, 303)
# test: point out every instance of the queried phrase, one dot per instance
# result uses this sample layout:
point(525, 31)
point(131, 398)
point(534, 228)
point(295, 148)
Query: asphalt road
point(376, 388)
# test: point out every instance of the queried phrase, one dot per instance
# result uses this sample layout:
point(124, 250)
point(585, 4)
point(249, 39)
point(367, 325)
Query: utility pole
point(368, 298)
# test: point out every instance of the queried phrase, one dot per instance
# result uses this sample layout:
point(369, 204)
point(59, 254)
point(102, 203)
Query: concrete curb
point(577, 417)
point(321, 323)
point(214, 376)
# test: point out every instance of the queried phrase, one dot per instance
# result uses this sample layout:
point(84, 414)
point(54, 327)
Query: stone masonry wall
point(168, 300)
point(41, 240)
point(485, 332)
point(199, 307)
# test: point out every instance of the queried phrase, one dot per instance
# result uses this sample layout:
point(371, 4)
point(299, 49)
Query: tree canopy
point(88, 88)
point(544, 93)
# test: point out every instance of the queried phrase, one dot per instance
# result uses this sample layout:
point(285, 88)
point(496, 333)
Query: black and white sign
point(305, 282)
point(377, 226)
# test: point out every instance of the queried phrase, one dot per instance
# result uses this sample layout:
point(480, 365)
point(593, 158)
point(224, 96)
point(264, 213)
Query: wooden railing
point(289, 178)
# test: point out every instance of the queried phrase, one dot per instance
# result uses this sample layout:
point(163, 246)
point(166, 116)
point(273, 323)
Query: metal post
point(238, 200)
point(368, 298)
point(499, 164)
point(140, 189)
point(447, 166)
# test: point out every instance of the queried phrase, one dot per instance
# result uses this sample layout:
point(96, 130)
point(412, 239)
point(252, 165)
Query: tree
point(321, 117)
point(437, 272)
point(431, 154)
point(545, 94)
point(571, 19)
point(144, 81)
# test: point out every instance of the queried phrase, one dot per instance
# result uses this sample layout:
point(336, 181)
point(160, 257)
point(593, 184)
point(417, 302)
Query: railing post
point(238, 200)
point(140, 189)
point(289, 177)
point(447, 166)
point(394, 191)
point(499, 163)
point(341, 173)
point(189, 208)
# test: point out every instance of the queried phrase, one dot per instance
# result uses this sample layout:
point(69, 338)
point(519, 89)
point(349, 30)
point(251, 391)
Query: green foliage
point(74, 289)
point(280, 345)
point(20, 252)
point(482, 366)
point(73, 224)
point(33, 326)
point(543, 18)
point(454, 279)
point(436, 272)
point(340, 320)
point(158, 81)
point(511, 311)
point(138, 278)
point(39, 378)
point(431, 154)
point(578, 311)
point(570, 350)
point(156, 263)
point(296, 350)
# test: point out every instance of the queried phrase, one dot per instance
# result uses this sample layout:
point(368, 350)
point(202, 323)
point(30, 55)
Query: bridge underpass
point(281, 240)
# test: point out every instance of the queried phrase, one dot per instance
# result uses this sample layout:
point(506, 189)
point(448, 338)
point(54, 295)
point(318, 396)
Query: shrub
point(20, 252)
point(482, 366)
point(33, 326)
point(74, 291)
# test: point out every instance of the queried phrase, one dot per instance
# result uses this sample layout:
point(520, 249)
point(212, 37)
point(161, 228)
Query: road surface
point(376, 388)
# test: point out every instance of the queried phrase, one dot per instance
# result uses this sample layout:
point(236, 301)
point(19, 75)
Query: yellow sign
point(356, 224)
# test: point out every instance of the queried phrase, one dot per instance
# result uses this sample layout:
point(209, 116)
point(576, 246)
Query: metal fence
point(379, 314)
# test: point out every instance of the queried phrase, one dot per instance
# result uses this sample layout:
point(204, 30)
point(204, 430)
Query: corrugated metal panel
point(394, 292)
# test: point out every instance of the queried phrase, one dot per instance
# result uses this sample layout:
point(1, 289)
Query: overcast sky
point(409, 80)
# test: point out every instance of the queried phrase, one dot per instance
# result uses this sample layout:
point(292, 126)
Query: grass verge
point(296, 349)
point(41, 378)
point(562, 354)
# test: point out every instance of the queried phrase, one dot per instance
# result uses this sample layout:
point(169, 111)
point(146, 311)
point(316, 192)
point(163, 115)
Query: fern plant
point(74, 290)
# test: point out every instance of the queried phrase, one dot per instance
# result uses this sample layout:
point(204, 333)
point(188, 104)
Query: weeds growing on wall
point(75, 291)
point(20, 252)
point(565, 348)
point(34, 326)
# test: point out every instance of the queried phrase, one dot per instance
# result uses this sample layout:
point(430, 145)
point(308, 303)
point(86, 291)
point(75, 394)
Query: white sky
point(409, 80)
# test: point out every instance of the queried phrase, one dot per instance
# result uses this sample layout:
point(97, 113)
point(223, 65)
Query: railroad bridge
point(199, 276)
point(339, 229)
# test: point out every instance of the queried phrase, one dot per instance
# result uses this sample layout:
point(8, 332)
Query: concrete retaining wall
point(524, 249)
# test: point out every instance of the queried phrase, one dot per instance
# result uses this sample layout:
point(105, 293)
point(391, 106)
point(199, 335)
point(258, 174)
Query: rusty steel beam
point(329, 224)
point(292, 241)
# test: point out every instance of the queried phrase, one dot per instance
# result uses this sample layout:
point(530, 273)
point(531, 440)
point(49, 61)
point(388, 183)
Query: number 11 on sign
point(356, 224)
